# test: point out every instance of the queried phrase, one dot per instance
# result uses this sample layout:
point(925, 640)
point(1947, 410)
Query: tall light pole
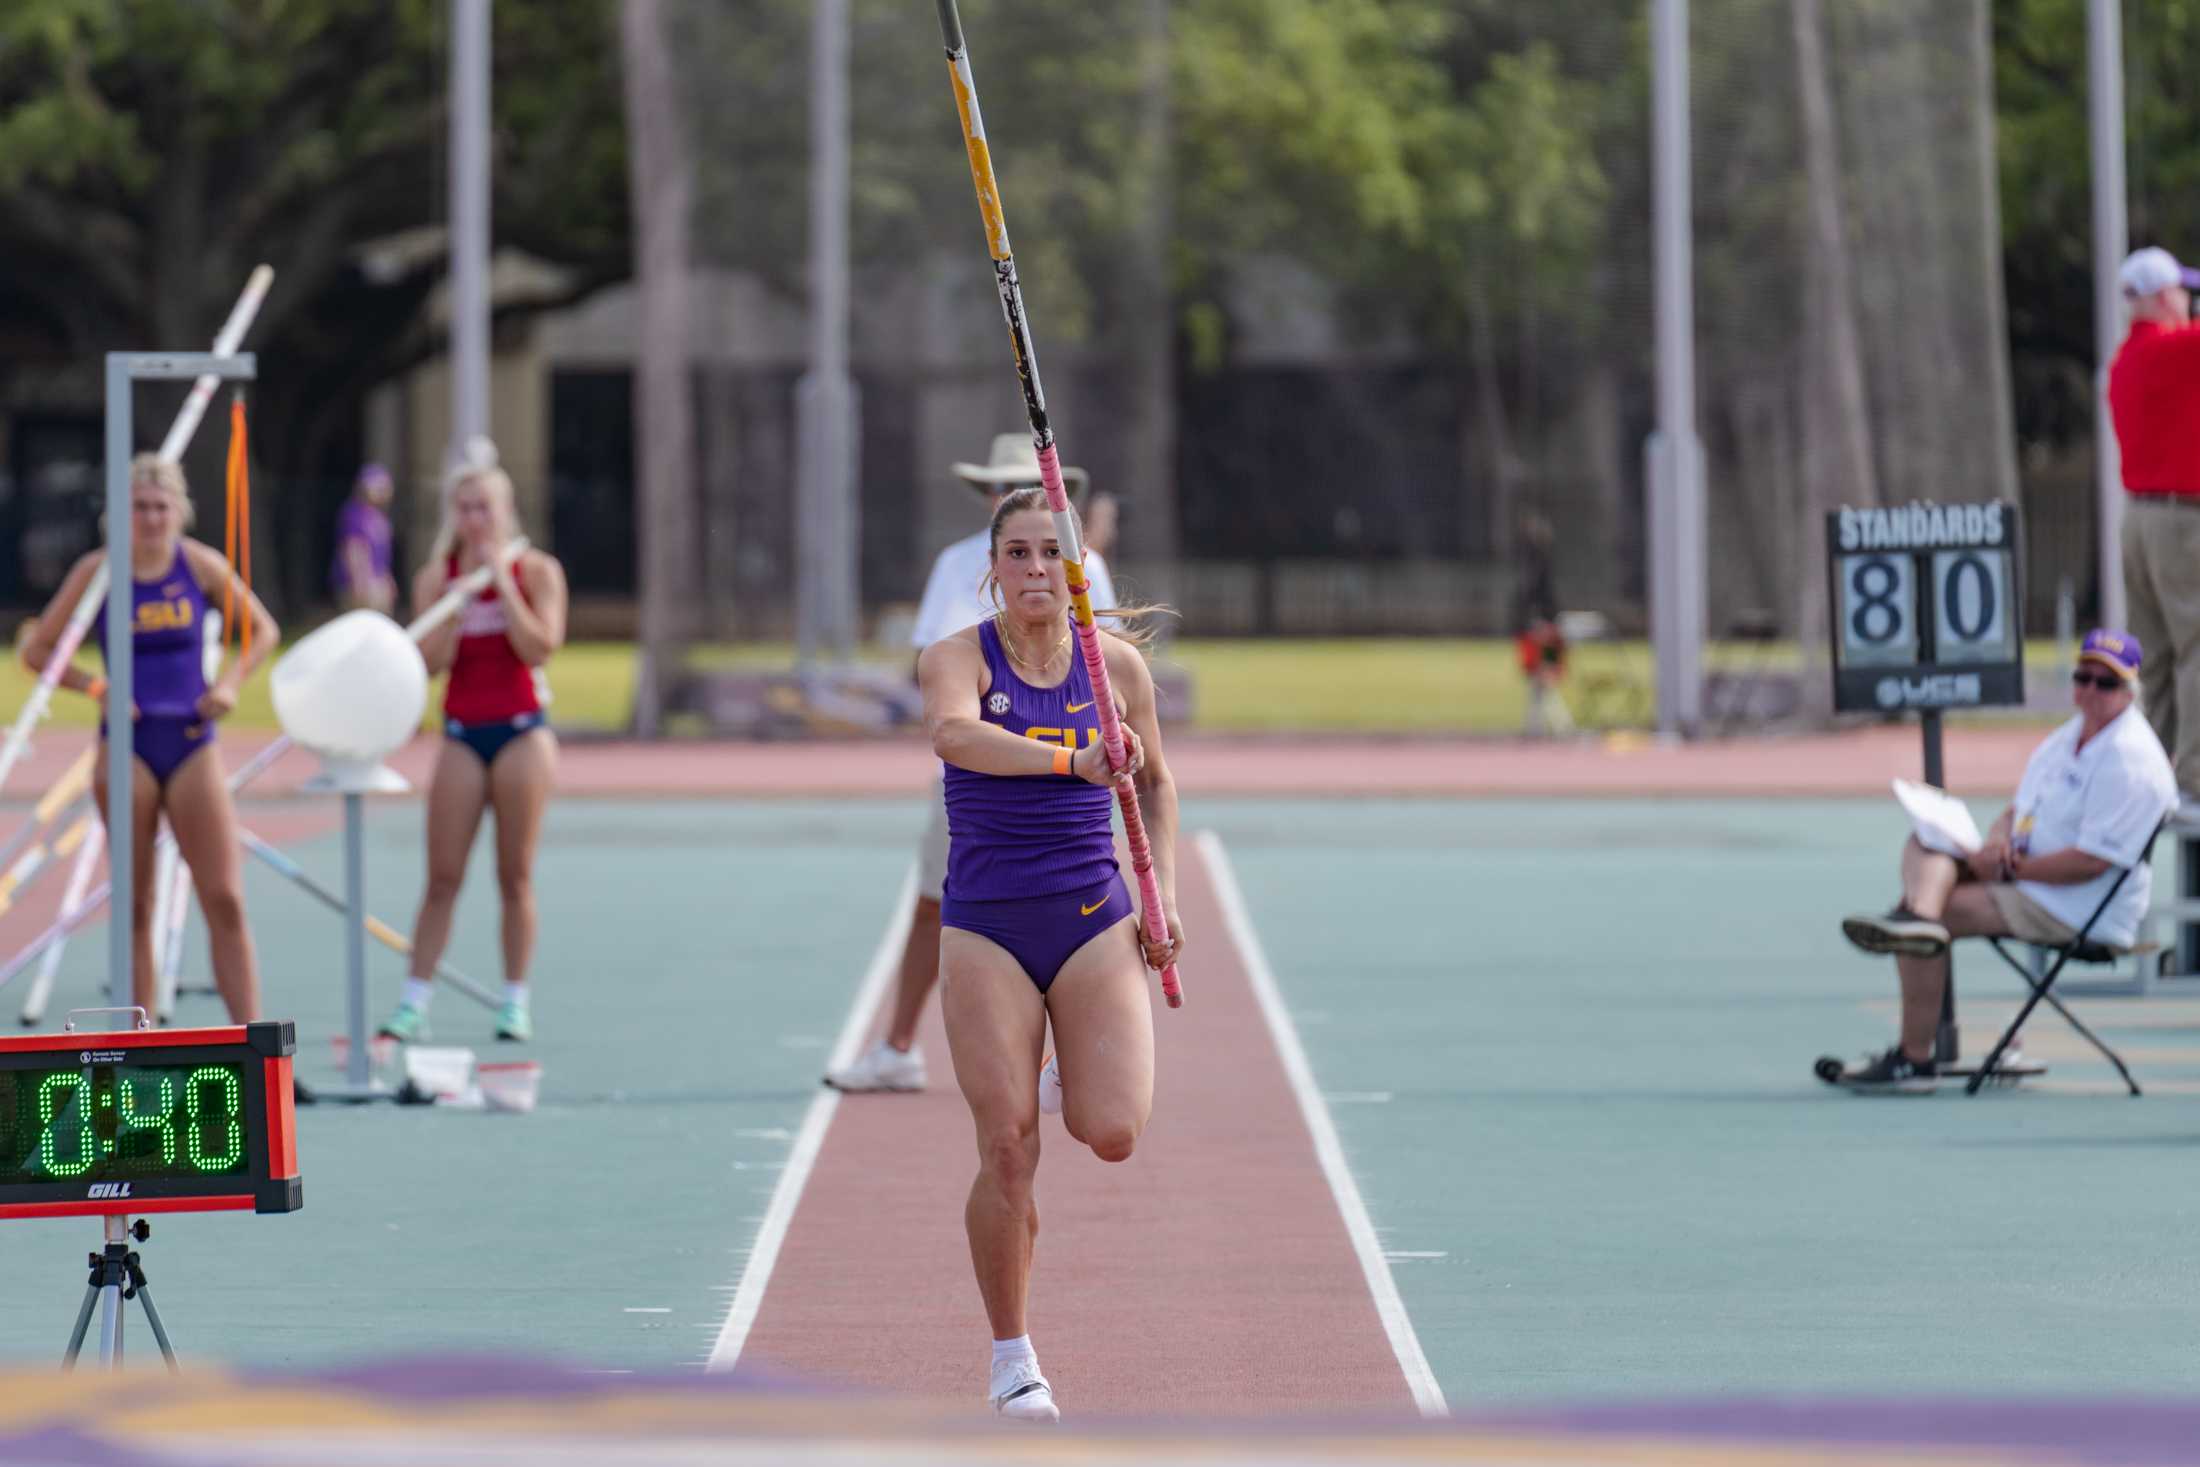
point(469, 231)
point(826, 534)
point(1675, 504)
point(2104, 54)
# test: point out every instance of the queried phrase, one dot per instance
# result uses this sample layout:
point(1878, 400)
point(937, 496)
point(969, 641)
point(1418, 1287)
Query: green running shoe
point(513, 1022)
point(405, 1024)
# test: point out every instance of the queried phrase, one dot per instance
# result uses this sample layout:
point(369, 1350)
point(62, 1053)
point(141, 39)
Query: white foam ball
point(355, 689)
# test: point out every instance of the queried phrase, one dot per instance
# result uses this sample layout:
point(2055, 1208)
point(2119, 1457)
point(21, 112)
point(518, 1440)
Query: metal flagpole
point(469, 229)
point(1675, 507)
point(2104, 36)
point(826, 401)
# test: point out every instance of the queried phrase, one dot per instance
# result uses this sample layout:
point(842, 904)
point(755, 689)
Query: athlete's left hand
point(1158, 955)
point(217, 701)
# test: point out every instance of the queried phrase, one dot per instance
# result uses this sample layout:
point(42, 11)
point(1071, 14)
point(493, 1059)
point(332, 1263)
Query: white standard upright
point(124, 371)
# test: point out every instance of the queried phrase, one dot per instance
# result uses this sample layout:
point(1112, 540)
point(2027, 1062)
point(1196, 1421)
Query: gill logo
point(164, 616)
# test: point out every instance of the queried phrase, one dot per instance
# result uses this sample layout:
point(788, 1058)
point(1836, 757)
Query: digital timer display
point(122, 1122)
point(155, 1120)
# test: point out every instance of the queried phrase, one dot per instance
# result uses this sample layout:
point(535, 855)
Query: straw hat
point(1014, 463)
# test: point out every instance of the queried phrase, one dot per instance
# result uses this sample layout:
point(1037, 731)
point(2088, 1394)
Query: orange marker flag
point(237, 539)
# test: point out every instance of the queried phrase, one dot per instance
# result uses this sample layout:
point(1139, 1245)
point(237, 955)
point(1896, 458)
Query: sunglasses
point(2106, 682)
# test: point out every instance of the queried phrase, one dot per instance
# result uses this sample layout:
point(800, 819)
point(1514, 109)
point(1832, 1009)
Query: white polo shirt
point(2105, 800)
point(952, 600)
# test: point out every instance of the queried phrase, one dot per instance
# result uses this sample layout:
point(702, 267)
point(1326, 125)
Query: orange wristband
point(96, 689)
point(1061, 761)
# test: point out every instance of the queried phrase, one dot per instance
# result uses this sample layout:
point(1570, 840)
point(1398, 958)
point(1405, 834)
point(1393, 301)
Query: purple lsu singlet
point(1029, 835)
point(167, 642)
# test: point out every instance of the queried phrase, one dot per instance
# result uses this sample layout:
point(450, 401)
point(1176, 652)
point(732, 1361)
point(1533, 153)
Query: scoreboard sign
point(1928, 607)
point(148, 1120)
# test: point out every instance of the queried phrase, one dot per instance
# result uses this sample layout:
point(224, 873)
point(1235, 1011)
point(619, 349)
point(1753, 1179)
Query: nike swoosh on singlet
point(1078, 707)
point(1085, 911)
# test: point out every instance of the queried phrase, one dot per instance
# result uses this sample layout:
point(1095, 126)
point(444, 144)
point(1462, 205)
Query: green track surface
point(1594, 1022)
point(697, 961)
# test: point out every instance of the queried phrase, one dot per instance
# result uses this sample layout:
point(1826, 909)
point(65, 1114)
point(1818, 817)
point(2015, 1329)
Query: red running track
point(1211, 1274)
point(1983, 760)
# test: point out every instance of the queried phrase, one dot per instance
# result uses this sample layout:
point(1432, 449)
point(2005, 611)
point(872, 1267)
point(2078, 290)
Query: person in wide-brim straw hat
point(1013, 464)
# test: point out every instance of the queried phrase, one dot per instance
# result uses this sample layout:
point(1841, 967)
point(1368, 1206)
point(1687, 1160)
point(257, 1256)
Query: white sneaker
point(881, 1067)
point(1050, 1087)
point(1021, 1393)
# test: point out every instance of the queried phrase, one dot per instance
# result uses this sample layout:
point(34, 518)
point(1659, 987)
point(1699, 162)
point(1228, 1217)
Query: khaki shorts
point(932, 848)
point(2027, 919)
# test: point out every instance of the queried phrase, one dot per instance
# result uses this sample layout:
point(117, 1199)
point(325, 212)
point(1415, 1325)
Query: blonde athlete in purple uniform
point(177, 769)
point(1037, 925)
point(951, 602)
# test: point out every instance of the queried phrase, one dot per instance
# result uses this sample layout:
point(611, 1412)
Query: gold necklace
point(1001, 628)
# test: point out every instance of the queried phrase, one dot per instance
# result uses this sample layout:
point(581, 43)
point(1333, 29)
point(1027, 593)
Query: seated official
point(2090, 800)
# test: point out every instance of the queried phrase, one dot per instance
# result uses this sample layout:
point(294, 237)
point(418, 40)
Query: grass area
point(1365, 685)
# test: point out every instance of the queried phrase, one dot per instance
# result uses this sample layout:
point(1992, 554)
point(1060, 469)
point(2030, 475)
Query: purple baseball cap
point(2119, 650)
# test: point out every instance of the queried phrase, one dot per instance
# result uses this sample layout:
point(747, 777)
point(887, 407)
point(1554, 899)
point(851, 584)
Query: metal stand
point(1944, 1038)
point(124, 370)
point(117, 1277)
point(353, 781)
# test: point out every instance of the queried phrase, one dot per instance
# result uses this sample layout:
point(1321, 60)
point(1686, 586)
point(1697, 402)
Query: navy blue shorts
point(1042, 933)
point(487, 740)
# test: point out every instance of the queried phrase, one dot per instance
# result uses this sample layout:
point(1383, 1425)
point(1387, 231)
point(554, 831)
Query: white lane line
point(1328, 1149)
point(809, 1139)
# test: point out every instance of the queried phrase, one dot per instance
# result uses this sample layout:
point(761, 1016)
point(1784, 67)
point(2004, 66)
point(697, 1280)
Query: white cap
point(2154, 268)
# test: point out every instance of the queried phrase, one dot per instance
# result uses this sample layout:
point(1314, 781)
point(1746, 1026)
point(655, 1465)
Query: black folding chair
point(2080, 948)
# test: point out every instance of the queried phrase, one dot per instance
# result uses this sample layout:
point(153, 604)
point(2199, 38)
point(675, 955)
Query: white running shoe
point(1050, 1087)
point(881, 1067)
point(1021, 1393)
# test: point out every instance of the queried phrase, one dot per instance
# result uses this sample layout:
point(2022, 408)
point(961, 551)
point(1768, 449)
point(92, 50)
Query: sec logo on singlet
point(998, 704)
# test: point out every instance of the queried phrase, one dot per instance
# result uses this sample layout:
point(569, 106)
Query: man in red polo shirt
point(2154, 399)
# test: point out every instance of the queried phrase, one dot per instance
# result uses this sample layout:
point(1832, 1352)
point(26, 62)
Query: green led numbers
point(220, 1115)
point(55, 1092)
point(162, 1119)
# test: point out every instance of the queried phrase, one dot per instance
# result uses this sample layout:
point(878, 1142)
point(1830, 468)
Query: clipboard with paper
point(1941, 821)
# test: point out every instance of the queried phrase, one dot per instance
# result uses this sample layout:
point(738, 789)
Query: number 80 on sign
point(1882, 623)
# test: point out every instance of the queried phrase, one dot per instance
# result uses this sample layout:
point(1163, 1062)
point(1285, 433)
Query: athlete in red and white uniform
point(498, 753)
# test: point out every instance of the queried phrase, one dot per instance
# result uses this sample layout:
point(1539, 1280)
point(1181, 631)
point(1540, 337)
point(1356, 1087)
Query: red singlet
point(488, 682)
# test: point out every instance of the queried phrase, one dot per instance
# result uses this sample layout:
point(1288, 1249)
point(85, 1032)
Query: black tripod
point(117, 1276)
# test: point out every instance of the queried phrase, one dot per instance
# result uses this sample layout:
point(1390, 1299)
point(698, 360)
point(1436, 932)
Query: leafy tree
point(152, 152)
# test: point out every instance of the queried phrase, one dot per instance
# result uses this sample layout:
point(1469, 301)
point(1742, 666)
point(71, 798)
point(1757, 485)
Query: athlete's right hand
point(1090, 763)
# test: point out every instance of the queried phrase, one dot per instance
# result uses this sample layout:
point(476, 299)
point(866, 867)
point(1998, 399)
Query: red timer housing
point(133, 1121)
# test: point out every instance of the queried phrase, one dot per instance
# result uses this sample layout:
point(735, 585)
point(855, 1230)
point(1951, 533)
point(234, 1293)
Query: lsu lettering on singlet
point(1029, 835)
point(167, 642)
